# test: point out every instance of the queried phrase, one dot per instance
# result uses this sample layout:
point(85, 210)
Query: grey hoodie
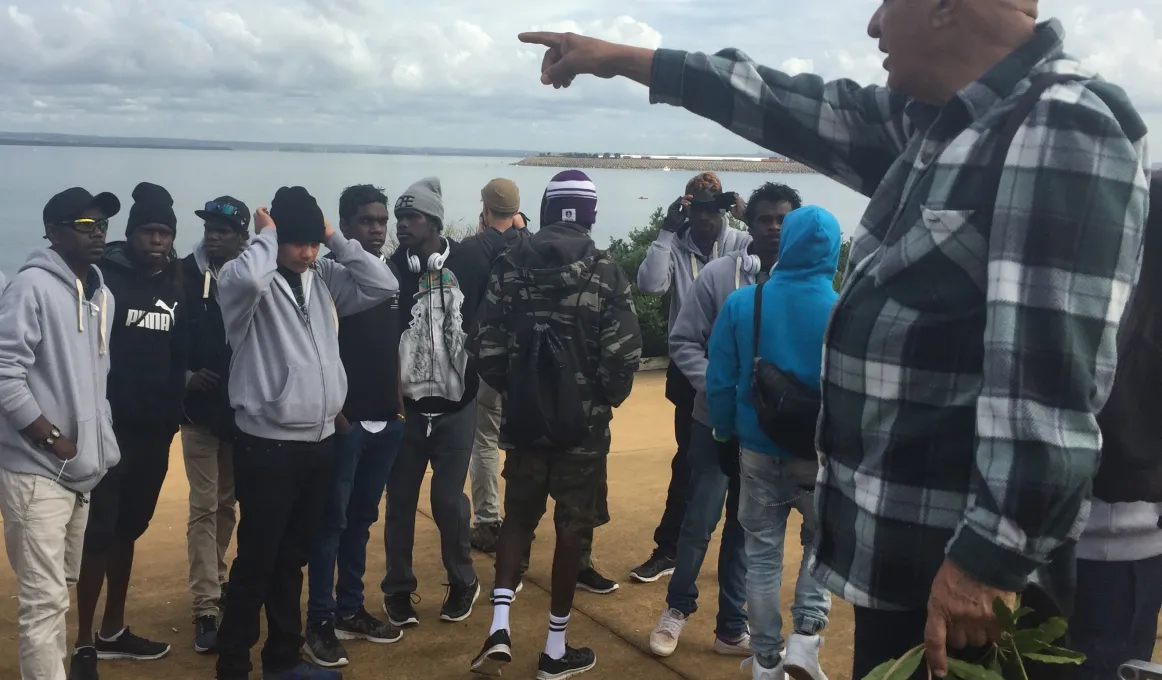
point(286, 378)
point(690, 332)
point(672, 263)
point(54, 361)
point(1121, 532)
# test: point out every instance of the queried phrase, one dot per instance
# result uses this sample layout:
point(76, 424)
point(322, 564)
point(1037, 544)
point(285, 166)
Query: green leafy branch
point(1004, 660)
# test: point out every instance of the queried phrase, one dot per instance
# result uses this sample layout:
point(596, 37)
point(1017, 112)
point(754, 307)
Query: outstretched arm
point(850, 133)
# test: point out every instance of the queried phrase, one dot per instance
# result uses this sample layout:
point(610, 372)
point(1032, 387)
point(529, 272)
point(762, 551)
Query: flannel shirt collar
point(974, 101)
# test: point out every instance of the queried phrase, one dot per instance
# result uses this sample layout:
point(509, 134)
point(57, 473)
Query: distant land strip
point(696, 165)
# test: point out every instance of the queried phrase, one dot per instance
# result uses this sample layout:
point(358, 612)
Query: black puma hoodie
point(147, 343)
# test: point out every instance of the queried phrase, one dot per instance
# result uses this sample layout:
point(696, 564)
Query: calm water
point(29, 176)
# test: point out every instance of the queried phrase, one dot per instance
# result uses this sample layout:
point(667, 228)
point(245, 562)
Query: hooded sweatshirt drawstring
point(82, 304)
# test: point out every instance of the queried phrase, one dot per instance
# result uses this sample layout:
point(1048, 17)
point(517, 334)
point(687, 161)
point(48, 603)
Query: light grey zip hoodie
point(672, 263)
point(690, 333)
point(54, 361)
point(286, 378)
point(1121, 532)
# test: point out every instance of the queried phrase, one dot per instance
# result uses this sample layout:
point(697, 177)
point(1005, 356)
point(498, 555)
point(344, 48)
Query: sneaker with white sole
point(737, 647)
point(761, 672)
point(802, 662)
point(664, 639)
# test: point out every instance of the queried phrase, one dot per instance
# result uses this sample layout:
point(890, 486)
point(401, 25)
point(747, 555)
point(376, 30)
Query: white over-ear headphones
point(435, 260)
point(751, 263)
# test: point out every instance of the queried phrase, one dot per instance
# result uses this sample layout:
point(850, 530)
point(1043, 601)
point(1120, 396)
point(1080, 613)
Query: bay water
point(29, 176)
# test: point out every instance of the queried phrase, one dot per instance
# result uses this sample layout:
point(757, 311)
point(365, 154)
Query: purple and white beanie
point(570, 197)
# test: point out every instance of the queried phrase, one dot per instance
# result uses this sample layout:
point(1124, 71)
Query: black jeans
point(1116, 615)
point(282, 489)
point(666, 535)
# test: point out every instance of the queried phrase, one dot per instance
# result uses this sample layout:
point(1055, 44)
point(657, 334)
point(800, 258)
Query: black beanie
point(297, 217)
point(151, 205)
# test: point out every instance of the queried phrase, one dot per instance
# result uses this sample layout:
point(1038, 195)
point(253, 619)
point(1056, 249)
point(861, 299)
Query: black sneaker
point(130, 646)
point(206, 634)
point(458, 603)
point(655, 568)
point(364, 626)
point(575, 662)
point(322, 647)
point(84, 664)
point(590, 579)
point(484, 537)
point(495, 655)
point(401, 609)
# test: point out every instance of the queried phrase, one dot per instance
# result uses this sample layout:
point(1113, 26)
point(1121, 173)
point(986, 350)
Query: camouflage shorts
point(576, 483)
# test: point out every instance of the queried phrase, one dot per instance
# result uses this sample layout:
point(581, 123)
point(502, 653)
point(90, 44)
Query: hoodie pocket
point(88, 463)
point(300, 403)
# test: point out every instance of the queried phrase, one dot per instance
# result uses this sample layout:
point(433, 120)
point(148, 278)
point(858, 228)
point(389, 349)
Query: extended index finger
point(546, 38)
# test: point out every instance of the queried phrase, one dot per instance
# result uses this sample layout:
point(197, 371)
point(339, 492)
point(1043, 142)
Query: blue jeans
point(1115, 618)
point(362, 464)
point(771, 486)
point(708, 490)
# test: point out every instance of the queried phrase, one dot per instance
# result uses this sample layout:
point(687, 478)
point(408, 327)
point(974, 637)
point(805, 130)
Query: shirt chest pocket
point(939, 265)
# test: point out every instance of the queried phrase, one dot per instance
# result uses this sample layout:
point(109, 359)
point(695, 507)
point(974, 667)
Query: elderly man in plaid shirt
point(974, 340)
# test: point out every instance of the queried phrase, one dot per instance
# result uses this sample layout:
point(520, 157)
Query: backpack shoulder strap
point(758, 316)
point(1014, 121)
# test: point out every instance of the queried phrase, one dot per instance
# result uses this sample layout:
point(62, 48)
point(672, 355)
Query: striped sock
point(555, 645)
point(501, 601)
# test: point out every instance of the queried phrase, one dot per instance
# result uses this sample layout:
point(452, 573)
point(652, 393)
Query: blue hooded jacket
point(797, 303)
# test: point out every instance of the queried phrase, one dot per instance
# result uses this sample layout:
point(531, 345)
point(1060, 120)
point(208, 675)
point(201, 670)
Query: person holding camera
point(694, 232)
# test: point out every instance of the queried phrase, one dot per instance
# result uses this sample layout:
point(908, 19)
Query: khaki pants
point(210, 470)
point(44, 531)
point(484, 464)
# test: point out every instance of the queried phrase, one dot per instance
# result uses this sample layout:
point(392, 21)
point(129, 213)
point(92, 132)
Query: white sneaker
point(759, 672)
point(664, 639)
point(803, 657)
point(739, 647)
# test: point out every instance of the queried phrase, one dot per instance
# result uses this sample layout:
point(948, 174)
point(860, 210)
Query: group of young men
point(303, 387)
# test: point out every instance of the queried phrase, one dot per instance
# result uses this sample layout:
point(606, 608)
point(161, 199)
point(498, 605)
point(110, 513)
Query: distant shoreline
point(769, 167)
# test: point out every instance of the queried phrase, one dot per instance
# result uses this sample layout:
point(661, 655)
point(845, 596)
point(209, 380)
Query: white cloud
point(449, 73)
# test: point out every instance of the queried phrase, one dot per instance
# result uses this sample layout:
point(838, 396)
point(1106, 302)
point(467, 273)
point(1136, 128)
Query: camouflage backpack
point(543, 405)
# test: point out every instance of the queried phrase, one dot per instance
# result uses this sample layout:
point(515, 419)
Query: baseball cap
point(69, 204)
point(226, 209)
point(501, 195)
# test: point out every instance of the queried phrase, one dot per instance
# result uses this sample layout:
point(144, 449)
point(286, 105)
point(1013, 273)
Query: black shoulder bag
point(788, 408)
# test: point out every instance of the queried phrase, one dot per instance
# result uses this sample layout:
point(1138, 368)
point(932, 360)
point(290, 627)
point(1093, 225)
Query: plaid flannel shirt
point(972, 344)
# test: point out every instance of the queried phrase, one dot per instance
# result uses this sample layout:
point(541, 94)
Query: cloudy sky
point(444, 73)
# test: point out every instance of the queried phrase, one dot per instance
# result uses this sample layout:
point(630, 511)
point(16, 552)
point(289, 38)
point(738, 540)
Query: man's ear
point(343, 227)
point(943, 11)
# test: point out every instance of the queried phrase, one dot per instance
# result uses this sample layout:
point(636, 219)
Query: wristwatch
point(48, 441)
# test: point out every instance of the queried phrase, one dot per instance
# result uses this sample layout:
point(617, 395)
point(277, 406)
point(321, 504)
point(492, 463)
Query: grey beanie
point(424, 196)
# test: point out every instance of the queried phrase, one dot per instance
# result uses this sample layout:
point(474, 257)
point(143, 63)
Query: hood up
point(809, 245)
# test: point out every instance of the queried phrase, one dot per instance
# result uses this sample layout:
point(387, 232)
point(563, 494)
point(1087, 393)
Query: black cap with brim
point(70, 204)
point(240, 220)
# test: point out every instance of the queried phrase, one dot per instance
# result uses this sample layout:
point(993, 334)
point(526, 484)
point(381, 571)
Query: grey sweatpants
point(447, 448)
point(485, 466)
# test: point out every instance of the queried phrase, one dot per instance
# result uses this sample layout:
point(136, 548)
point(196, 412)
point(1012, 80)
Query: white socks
point(555, 645)
point(501, 601)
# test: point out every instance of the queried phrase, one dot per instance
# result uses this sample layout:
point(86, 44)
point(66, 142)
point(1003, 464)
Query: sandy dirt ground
point(616, 626)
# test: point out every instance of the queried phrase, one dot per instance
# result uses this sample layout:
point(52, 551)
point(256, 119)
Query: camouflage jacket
point(559, 274)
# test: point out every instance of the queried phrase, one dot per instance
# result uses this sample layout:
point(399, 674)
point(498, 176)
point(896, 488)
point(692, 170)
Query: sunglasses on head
point(222, 208)
point(88, 225)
